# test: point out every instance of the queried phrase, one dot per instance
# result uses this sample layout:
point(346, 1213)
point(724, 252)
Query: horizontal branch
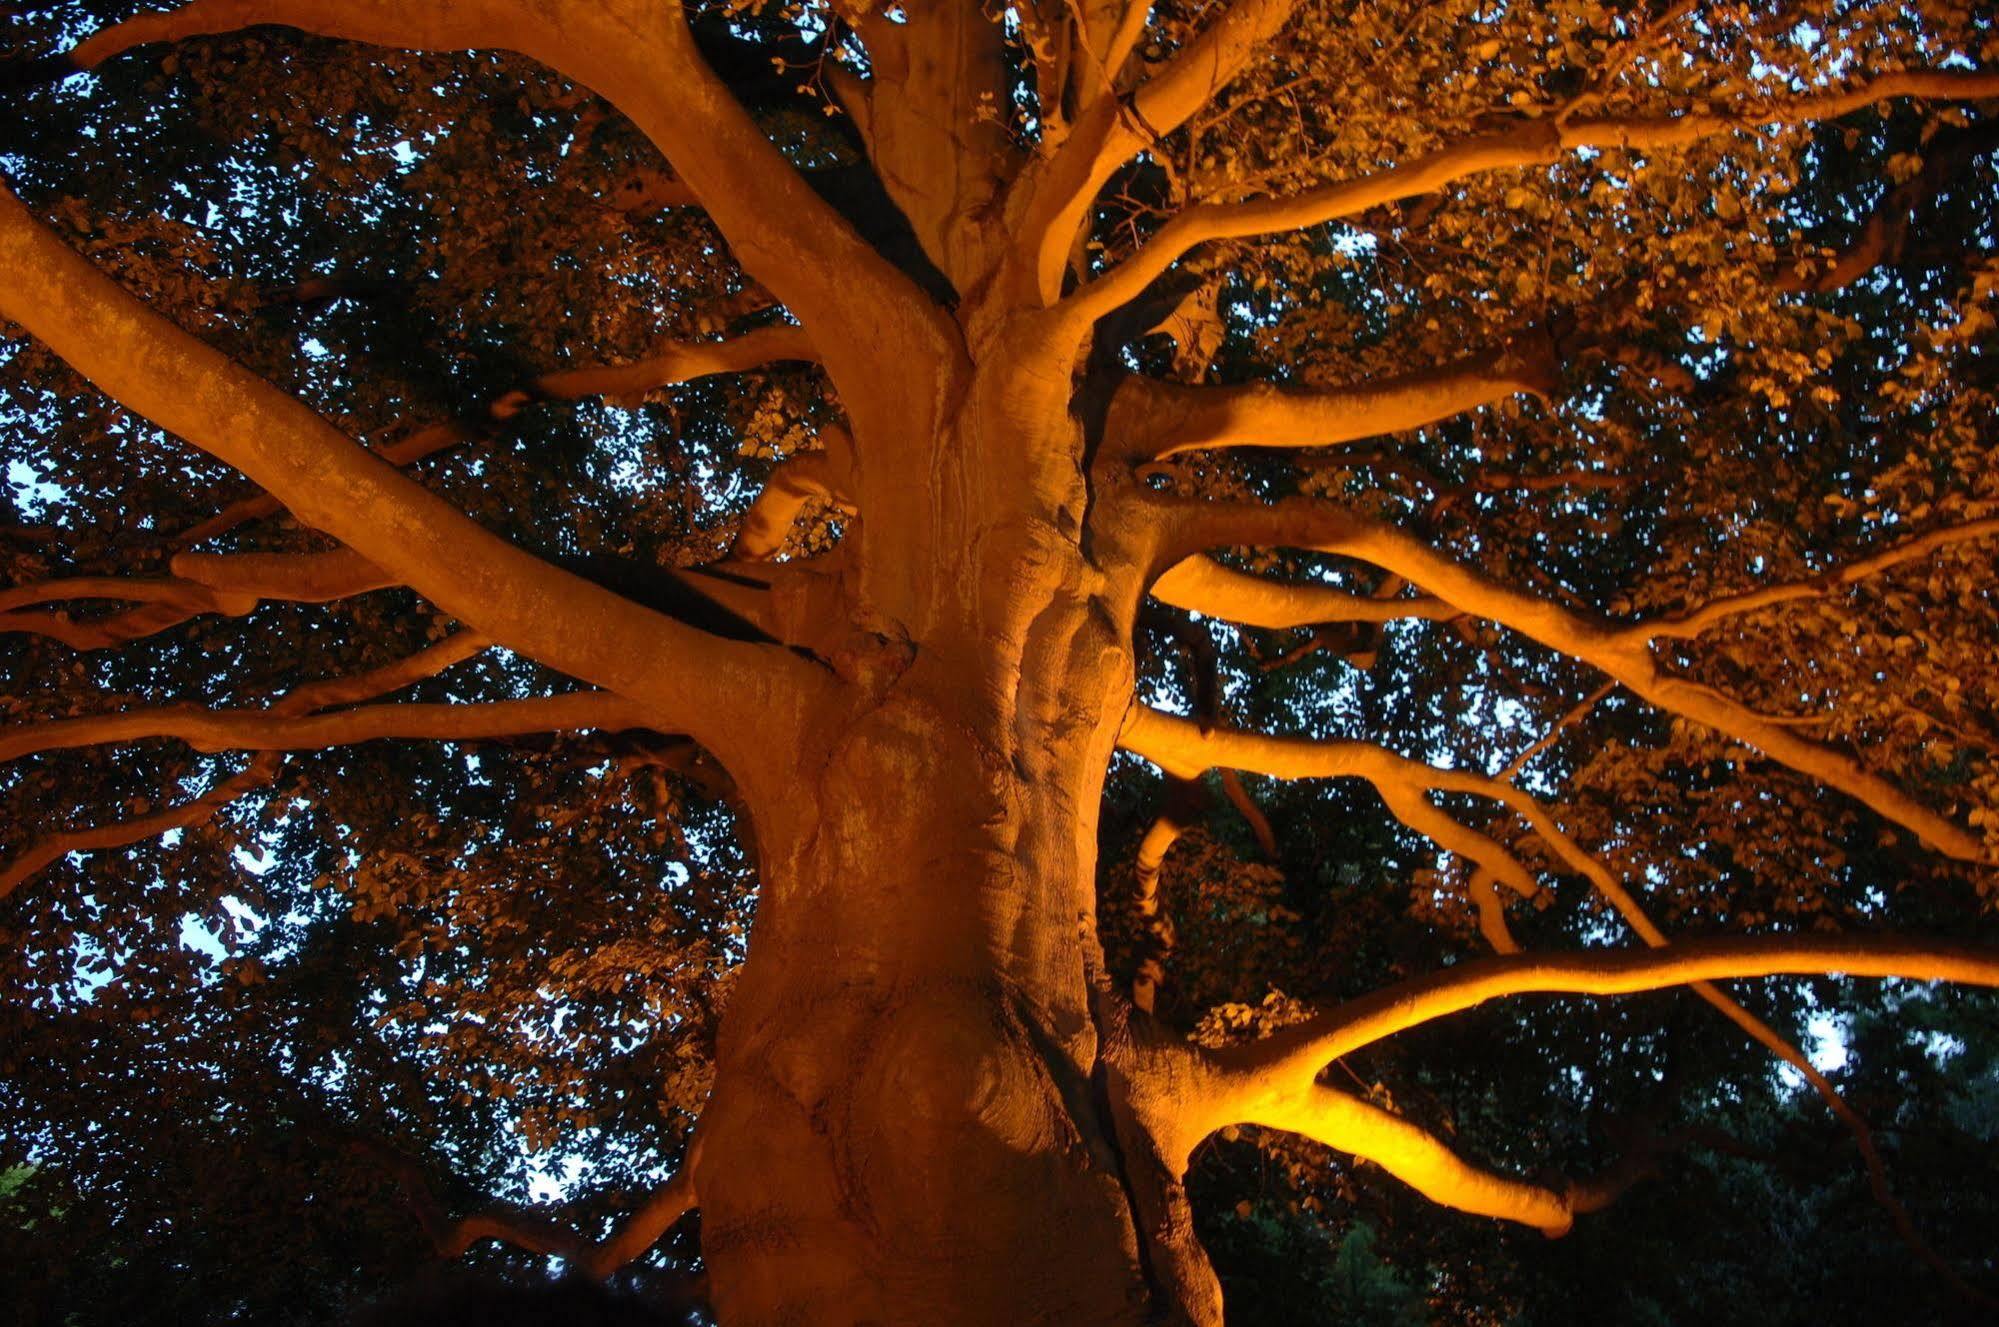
point(261, 770)
point(1178, 745)
point(267, 730)
point(100, 633)
point(678, 362)
point(1185, 750)
point(1182, 1093)
point(158, 590)
point(1532, 143)
point(675, 362)
point(1152, 419)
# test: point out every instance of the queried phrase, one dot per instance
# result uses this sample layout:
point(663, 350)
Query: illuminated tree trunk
point(914, 1120)
point(905, 1126)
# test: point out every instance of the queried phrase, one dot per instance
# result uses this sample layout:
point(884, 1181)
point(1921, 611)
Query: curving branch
point(262, 769)
point(188, 815)
point(110, 630)
point(1113, 129)
point(1185, 750)
point(796, 482)
point(1153, 419)
point(1177, 745)
point(1622, 653)
point(1409, 1153)
point(1884, 236)
point(1297, 1054)
point(728, 689)
point(1182, 1094)
point(1537, 142)
point(648, 1225)
point(1157, 942)
point(536, 1232)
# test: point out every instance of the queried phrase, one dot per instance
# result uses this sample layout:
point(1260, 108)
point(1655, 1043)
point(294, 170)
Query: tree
point(1278, 393)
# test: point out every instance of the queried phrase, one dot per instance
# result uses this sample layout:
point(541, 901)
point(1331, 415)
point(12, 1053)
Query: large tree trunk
point(914, 1119)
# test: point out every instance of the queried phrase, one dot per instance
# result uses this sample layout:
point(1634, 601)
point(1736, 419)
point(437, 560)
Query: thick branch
point(679, 361)
point(1411, 1154)
point(1155, 419)
point(139, 358)
point(791, 486)
point(1202, 585)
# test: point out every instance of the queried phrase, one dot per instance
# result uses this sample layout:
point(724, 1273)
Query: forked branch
point(1532, 143)
point(232, 584)
point(1183, 1093)
point(1621, 653)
